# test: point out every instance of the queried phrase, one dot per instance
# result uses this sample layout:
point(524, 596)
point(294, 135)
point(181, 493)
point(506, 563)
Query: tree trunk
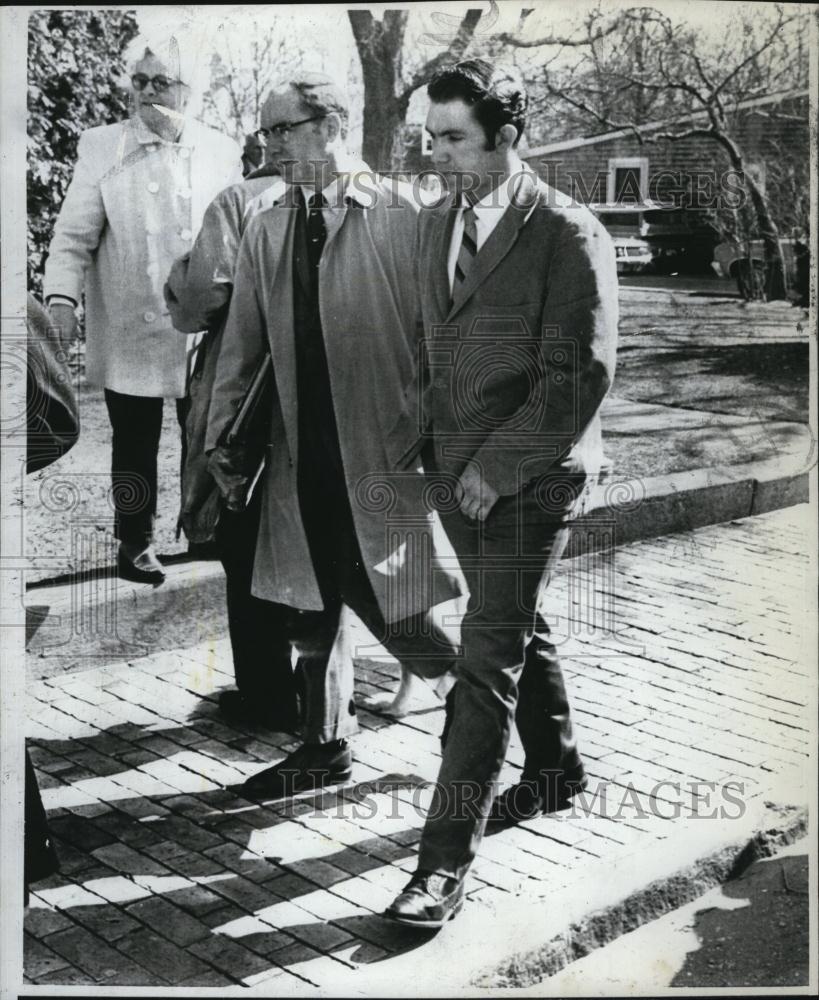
point(380, 48)
point(774, 262)
point(383, 119)
point(775, 285)
point(387, 95)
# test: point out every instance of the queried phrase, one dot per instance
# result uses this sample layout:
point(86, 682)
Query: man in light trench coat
point(135, 202)
point(321, 283)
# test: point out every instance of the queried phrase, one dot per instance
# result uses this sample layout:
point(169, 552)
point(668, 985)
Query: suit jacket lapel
point(500, 242)
point(439, 259)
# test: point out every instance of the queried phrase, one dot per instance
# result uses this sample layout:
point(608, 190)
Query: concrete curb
point(77, 622)
point(638, 509)
point(687, 881)
point(523, 943)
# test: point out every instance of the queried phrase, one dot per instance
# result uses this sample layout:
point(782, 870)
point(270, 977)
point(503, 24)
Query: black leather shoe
point(533, 797)
point(140, 567)
point(236, 708)
point(311, 767)
point(428, 901)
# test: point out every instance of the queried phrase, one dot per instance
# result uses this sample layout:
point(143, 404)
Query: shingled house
point(664, 191)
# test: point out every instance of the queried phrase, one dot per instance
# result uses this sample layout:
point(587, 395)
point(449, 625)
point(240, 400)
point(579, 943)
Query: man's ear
point(506, 137)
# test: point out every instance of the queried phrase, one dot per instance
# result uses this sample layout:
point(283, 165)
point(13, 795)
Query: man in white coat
point(135, 203)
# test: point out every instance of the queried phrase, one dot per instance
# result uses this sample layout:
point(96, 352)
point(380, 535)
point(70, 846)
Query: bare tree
point(241, 81)
point(639, 65)
point(388, 87)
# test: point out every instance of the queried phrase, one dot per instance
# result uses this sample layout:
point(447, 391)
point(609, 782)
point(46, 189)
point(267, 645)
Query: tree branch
point(507, 38)
point(781, 22)
point(455, 50)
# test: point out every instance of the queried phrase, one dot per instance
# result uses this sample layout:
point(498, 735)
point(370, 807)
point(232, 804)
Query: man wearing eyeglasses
point(323, 284)
point(135, 203)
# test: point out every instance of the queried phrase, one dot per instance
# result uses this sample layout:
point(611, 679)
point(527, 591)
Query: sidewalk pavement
point(75, 617)
point(689, 660)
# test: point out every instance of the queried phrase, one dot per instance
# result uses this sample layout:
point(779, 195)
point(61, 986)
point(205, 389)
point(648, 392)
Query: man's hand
point(224, 464)
point(477, 496)
point(64, 317)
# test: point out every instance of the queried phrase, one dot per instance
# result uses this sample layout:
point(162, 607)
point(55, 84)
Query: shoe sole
point(429, 925)
point(134, 575)
point(261, 796)
point(563, 803)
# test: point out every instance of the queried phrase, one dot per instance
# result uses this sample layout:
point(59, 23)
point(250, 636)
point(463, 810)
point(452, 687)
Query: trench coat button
point(186, 234)
point(149, 316)
point(185, 193)
point(152, 269)
point(153, 187)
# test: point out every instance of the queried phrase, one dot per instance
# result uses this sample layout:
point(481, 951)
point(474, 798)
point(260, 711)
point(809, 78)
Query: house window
point(628, 180)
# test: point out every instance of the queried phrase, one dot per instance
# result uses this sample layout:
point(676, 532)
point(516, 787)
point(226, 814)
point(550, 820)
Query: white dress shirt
point(488, 212)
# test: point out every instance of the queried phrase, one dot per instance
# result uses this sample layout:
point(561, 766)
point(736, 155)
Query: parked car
point(745, 263)
point(633, 255)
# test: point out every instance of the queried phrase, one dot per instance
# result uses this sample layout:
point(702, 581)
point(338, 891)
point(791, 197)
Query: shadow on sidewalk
point(209, 887)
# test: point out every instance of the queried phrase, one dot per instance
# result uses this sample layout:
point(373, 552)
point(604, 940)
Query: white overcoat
point(135, 204)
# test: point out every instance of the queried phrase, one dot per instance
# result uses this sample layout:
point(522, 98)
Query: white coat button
point(152, 269)
point(149, 316)
point(185, 193)
point(153, 187)
point(186, 234)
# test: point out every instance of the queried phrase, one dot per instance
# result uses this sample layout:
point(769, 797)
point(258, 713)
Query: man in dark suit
point(518, 292)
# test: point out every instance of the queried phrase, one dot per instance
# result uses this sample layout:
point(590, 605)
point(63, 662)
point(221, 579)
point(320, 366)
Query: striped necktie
point(469, 247)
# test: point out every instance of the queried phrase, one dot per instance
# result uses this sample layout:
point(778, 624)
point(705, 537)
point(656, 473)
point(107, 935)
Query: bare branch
point(781, 22)
point(581, 105)
point(455, 50)
point(526, 43)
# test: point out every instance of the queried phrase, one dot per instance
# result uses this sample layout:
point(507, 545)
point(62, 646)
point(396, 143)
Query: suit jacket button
point(149, 316)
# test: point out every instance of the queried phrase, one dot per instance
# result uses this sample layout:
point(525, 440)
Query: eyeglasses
point(283, 129)
point(160, 83)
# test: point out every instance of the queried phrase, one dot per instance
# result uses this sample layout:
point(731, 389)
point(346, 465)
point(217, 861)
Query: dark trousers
point(417, 642)
point(508, 669)
point(261, 647)
point(136, 423)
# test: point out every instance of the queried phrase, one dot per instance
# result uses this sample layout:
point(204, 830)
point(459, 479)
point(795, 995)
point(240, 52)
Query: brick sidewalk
point(169, 877)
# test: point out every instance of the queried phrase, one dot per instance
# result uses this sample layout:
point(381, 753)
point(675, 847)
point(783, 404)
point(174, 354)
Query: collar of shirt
point(490, 208)
point(488, 212)
point(353, 182)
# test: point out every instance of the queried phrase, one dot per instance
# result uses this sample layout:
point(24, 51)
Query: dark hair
point(496, 94)
point(323, 96)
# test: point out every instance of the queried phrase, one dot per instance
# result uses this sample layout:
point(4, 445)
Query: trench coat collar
point(498, 244)
point(358, 190)
point(359, 181)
